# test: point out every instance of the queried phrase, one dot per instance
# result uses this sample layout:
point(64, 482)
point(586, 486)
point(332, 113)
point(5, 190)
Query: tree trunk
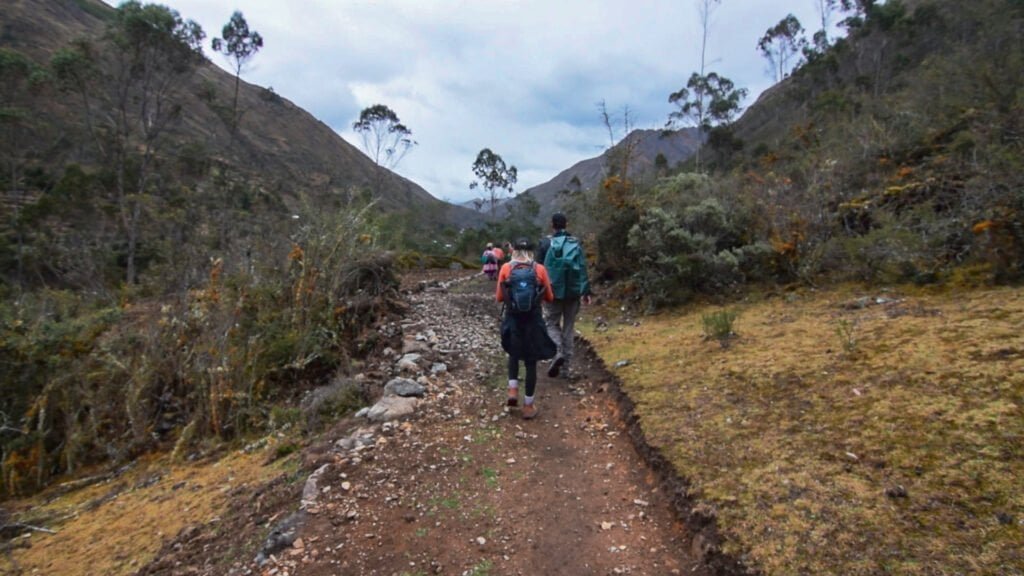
point(234, 107)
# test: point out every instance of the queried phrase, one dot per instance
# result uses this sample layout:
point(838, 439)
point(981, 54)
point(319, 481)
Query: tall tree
point(825, 9)
point(705, 9)
point(147, 52)
point(707, 101)
point(494, 176)
point(385, 139)
point(780, 43)
point(238, 44)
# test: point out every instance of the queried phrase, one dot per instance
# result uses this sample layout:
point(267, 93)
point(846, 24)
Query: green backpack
point(566, 267)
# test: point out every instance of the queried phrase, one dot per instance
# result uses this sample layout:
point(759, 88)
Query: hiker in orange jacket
point(522, 284)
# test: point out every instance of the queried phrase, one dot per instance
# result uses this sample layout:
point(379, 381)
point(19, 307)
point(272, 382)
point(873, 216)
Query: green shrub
point(719, 326)
point(698, 248)
point(846, 331)
point(283, 417)
point(891, 252)
point(286, 449)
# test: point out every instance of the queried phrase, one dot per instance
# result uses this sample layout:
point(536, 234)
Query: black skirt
point(526, 337)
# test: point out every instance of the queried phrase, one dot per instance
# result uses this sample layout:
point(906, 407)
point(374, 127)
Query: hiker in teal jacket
point(563, 257)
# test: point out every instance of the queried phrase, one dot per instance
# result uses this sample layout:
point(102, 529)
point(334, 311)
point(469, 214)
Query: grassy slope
point(794, 442)
point(117, 527)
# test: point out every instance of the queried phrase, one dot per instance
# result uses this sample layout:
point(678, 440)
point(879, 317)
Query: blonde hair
point(522, 255)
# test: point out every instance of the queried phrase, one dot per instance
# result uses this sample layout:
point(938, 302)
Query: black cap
point(523, 244)
point(558, 221)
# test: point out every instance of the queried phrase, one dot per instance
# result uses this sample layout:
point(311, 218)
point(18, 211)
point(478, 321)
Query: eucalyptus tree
point(494, 176)
point(385, 139)
point(238, 44)
point(707, 101)
point(781, 43)
point(697, 99)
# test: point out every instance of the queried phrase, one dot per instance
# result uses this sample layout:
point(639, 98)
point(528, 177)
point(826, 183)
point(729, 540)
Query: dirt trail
point(463, 486)
point(468, 487)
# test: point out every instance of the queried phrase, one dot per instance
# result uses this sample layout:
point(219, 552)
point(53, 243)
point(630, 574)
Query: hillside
point(280, 150)
point(890, 155)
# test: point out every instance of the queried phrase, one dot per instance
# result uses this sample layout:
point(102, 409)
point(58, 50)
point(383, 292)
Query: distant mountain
point(588, 174)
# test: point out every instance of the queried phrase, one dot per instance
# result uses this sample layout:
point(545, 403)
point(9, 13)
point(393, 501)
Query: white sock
point(529, 400)
point(513, 384)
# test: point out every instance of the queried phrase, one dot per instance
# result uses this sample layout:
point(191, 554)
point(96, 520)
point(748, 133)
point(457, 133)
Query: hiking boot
point(556, 367)
point(513, 398)
point(530, 411)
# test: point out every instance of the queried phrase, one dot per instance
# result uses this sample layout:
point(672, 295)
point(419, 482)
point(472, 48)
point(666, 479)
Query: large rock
point(404, 387)
point(410, 363)
point(391, 408)
point(311, 491)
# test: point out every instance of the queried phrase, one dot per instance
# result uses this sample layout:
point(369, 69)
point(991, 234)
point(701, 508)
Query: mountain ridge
point(588, 174)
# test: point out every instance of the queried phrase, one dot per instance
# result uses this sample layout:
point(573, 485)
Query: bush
point(846, 331)
point(719, 326)
point(700, 248)
point(892, 251)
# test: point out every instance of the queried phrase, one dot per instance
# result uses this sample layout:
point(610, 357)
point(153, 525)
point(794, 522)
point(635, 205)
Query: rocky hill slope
point(588, 174)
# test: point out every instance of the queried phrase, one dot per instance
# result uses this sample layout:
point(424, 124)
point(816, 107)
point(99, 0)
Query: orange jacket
point(498, 253)
point(542, 277)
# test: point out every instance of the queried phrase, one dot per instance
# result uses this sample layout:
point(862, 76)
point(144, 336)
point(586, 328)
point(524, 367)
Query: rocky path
point(465, 486)
point(439, 477)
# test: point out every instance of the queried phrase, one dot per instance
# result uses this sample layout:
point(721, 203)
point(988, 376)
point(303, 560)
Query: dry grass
point(902, 453)
point(117, 527)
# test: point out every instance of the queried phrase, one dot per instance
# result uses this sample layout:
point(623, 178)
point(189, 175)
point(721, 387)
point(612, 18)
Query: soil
point(465, 485)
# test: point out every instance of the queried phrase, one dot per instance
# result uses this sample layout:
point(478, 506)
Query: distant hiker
point(522, 285)
point(562, 255)
point(490, 260)
point(499, 254)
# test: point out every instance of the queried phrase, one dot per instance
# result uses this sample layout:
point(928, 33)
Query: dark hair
point(523, 244)
point(558, 221)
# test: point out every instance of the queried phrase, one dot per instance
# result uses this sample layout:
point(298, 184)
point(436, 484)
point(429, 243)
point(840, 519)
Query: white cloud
point(521, 77)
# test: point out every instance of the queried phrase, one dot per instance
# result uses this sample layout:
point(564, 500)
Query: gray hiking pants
point(560, 319)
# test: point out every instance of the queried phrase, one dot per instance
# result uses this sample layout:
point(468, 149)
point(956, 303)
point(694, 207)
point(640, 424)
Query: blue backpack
point(522, 290)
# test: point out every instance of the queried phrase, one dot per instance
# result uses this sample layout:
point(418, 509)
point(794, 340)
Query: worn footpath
point(439, 477)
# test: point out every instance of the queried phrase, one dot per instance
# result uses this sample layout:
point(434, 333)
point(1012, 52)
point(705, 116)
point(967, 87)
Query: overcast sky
point(521, 77)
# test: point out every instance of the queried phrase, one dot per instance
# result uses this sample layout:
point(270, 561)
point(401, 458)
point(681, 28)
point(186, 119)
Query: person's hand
point(586, 299)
